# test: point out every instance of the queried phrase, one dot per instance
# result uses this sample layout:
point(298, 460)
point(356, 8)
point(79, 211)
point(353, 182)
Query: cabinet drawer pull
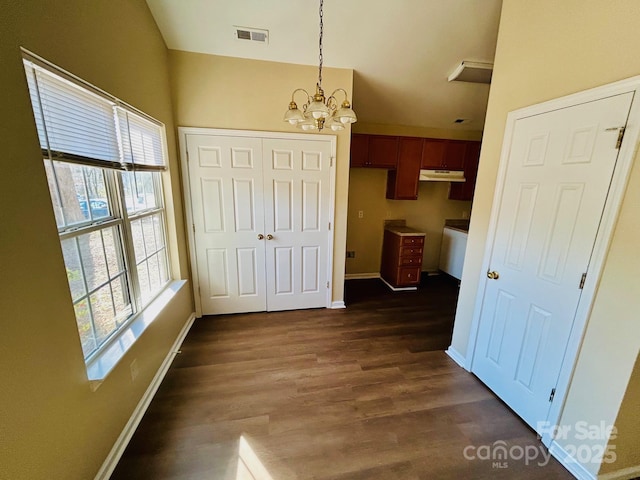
point(413, 241)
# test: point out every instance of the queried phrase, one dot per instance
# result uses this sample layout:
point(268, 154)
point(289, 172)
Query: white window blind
point(76, 125)
point(141, 142)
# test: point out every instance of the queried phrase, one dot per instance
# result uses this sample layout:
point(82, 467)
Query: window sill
point(102, 364)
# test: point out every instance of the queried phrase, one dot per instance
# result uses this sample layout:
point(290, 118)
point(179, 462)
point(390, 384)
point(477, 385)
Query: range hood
point(442, 176)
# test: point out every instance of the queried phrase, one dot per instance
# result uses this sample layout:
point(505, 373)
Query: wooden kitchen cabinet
point(464, 191)
point(402, 252)
point(405, 156)
point(402, 183)
point(433, 153)
point(440, 154)
point(455, 154)
point(359, 150)
point(374, 151)
point(383, 151)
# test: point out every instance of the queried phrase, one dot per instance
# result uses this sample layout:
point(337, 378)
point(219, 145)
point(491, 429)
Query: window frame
point(128, 240)
point(120, 218)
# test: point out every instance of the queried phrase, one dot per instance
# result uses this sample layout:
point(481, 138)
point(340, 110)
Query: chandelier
point(319, 112)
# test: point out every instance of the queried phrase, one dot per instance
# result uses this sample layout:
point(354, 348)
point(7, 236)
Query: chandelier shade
point(318, 111)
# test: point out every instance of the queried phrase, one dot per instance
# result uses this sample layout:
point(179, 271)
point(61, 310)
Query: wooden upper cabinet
point(405, 156)
point(439, 154)
point(383, 151)
point(359, 150)
point(455, 154)
point(402, 183)
point(433, 153)
point(374, 151)
point(465, 191)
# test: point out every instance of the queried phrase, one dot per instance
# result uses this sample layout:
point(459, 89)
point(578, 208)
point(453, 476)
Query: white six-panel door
point(227, 199)
point(296, 184)
point(558, 176)
point(261, 211)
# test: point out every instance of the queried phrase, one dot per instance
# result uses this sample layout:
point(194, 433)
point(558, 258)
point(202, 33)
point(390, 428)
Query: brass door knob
point(493, 275)
point(269, 237)
point(260, 236)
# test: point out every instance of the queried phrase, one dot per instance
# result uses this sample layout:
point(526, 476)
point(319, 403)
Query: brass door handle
point(493, 275)
point(260, 236)
point(269, 237)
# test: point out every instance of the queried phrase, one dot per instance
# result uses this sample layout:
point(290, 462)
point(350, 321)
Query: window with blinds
point(103, 160)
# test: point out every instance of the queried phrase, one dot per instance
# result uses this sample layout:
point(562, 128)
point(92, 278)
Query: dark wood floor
point(360, 393)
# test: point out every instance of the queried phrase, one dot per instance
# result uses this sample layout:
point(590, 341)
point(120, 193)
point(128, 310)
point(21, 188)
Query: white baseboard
point(364, 276)
point(338, 304)
point(571, 464)
point(116, 452)
point(399, 289)
point(457, 357)
point(623, 474)
point(361, 276)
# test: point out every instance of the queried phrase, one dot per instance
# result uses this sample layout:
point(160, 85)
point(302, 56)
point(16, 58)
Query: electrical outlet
point(351, 254)
point(360, 213)
point(134, 370)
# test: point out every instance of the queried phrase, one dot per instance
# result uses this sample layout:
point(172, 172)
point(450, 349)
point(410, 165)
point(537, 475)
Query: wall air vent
point(475, 72)
point(251, 34)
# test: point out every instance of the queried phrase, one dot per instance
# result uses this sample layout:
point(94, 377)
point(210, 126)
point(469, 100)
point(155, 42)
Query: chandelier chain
point(320, 45)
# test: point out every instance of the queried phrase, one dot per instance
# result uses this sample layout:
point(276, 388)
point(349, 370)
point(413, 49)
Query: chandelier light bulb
point(346, 114)
point(293, 115)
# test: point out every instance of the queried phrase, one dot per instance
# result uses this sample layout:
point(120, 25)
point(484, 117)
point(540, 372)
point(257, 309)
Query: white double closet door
point(260, 209)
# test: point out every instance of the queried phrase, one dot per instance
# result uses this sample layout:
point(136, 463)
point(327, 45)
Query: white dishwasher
point(454, 245)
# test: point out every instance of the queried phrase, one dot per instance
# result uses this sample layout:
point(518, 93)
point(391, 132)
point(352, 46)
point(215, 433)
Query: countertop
point(404, 231)
point(457, 224)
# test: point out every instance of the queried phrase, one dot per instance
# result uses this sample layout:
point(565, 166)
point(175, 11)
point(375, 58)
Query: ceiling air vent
point(251, 34)
point(476, 72)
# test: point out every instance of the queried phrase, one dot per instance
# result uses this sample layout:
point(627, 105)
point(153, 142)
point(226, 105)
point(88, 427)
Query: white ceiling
point(401, 51)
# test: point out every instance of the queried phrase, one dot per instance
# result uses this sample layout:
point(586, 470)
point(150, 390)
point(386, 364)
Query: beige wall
point(367, 190)
point(547, 49)
point(52, 425)
point(627, 443)
point(223, 92)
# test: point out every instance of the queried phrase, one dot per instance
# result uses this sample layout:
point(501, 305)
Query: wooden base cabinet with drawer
point(402, 257)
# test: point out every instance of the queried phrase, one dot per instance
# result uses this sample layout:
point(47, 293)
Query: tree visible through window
point(103, 162)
